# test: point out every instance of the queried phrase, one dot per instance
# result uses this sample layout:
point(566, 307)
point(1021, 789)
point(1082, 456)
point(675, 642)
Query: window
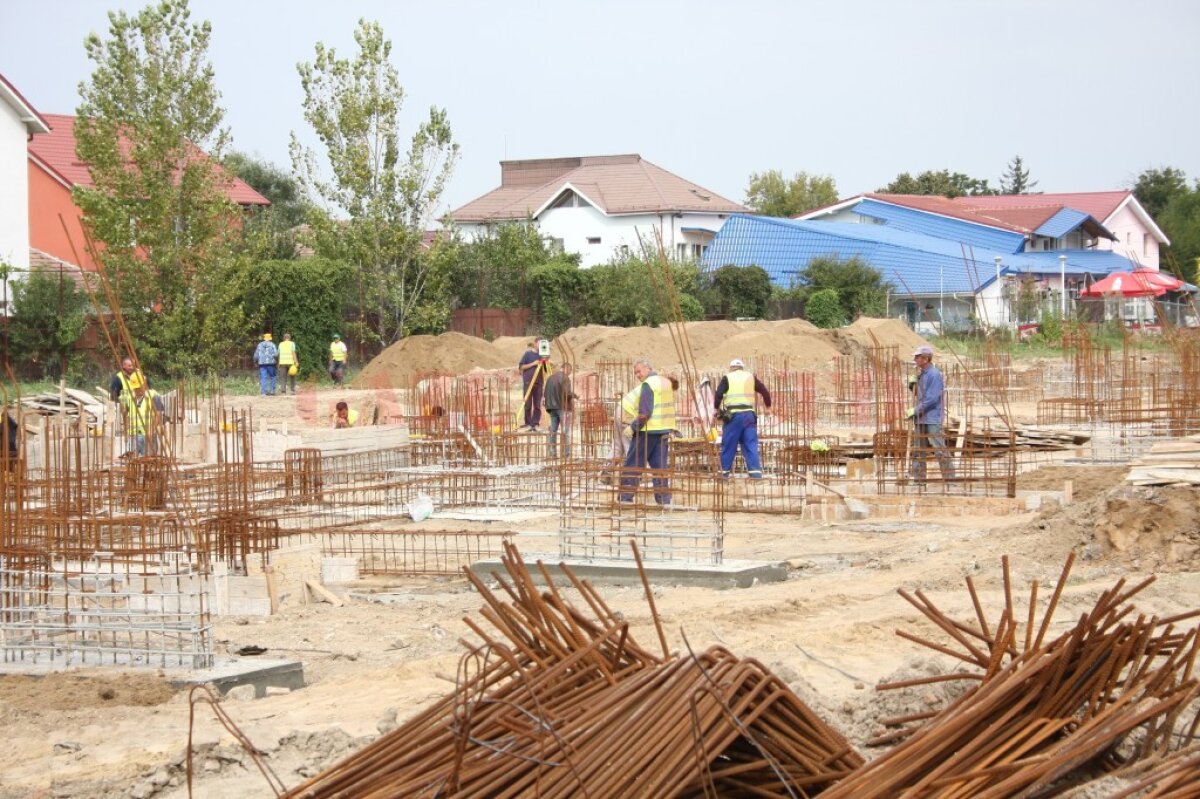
point(1145, 246)
point(556, 245)
point(682, 250)
point(593, 239)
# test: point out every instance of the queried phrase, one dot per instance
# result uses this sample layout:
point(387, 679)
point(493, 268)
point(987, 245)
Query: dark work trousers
point(648, 450)
point(533, 400)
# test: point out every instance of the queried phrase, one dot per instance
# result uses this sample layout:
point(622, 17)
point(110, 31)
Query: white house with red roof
point(600, 206)
point(19, 123)
point(54, 169)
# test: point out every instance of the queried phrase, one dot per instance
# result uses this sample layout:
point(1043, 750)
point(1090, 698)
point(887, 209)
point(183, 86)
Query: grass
point(241, 384)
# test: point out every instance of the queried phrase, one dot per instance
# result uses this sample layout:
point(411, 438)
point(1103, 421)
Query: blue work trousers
point(741, 430)
point(266, 378)
point(648, 451)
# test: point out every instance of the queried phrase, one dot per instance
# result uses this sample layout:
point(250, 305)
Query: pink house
point(1135, 234)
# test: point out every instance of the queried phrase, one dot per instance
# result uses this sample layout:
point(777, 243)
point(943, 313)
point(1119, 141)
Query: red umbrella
point(1138, 283)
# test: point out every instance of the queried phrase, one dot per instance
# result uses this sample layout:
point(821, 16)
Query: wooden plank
point(321, 592)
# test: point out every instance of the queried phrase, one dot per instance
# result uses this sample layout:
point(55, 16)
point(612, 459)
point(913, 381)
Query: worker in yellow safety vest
point(734, 403)
point(289, 364)
point(337, 359)
point(651, 427)
point(344, 416)
point(142, 408)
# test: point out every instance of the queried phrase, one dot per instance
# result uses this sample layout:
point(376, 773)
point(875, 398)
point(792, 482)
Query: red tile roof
point(1099, 204)
point(57, 151)
point(1021, 213)
point(616, 184)
point(44, 262)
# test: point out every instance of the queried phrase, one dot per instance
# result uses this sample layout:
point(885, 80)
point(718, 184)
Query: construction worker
point(337, 360)
point(120, 381)
point(289, 363)
point(266, 357)
point(929, 415)
point(344, 416)
point(533, 367)
point(560, 402)
point(734, 403)
point(651, 431)
point(142, 407)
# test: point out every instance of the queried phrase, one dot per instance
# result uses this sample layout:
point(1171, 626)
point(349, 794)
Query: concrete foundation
point(229, 673)
point(730, 574)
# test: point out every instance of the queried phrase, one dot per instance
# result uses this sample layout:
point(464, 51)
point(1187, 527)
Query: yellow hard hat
point(266, 336)
point(136, 380)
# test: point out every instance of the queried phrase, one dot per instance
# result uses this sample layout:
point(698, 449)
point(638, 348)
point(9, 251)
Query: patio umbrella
point(1138, 283)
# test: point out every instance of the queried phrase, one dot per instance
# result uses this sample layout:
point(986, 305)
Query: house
point(951, 263)
point(600, 206)
point(54, 170)
point(19, 123)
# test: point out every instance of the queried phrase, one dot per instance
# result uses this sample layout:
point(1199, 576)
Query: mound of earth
point(1156, 528)
point(451, 352)
point(712, 344)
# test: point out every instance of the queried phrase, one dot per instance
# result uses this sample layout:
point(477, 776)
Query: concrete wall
point(14, 189)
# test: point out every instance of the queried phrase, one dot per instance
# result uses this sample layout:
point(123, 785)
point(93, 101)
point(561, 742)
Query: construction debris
point(1168, 463)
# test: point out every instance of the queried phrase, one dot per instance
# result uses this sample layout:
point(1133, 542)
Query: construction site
point(431, 604)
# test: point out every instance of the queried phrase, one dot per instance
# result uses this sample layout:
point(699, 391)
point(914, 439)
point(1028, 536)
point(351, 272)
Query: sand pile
point(713, 344)
point(454, 353)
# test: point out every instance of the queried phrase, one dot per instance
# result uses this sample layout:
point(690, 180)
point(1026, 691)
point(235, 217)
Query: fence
point(491, 322)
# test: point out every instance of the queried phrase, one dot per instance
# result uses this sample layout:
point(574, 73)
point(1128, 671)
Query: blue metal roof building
point(918, 253)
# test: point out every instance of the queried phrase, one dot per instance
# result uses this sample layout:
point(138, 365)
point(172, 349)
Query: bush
point(860, 288)
point(742, 291)
point(824, 309)
point(49, 318)
point(306, 298)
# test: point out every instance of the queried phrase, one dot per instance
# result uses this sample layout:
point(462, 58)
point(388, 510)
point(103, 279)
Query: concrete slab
point(600, 571)
point(229, 673)
point(226, 673)
point(492, 514)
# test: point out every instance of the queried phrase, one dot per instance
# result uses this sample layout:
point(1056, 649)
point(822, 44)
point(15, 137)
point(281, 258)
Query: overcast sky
point(1089, 92)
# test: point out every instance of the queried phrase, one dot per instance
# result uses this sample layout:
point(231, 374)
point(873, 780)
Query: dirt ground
point(829, 630)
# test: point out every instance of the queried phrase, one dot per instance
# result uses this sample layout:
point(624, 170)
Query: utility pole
point(1062, 271)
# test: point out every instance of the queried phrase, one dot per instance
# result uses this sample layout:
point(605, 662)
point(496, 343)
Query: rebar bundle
point(1113, 689)
point(563, 702)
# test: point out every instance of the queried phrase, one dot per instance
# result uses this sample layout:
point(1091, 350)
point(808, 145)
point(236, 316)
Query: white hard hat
point(737, 362)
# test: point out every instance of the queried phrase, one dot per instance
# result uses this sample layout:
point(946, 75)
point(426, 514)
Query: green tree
point(943, 182)
point(742, 291)
point(860, 288)
point(493, 271)
point(1155, 188)
point(269, 233)
point(1180, 220)
point(1016, 178)
point(824, 309)
point(50, 316)
point(389, 194)
point(771, 194)
point(623, 291)
point(157, 205)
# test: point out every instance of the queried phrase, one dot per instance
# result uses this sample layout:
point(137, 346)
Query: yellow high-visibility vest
point(287, 353)
point(337, 351)
point(740, 396)
point(629, 404)
point(663, 417)
point(139, 414)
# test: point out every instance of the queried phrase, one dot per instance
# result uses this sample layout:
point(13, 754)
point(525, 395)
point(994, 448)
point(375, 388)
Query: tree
point(145, 118)
point(771, 194)
point(742, 291)
point(1016, 178)
point(270, 233)
point(860, 288)
point(1181, 222)
point(389, 195)
point(50, 316)
point(1154, 189)
point(824, 309)
point(944, 183)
